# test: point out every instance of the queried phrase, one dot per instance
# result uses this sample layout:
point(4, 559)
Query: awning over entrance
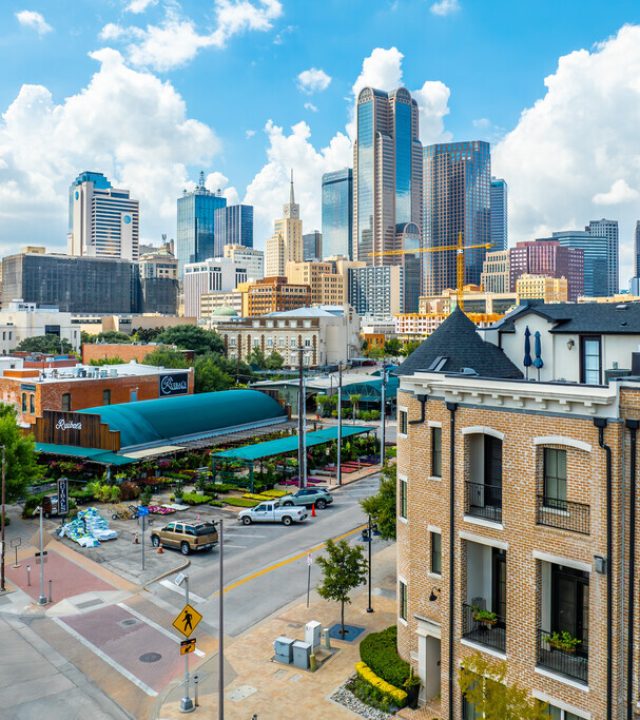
point(97, 455)
point(282, 446)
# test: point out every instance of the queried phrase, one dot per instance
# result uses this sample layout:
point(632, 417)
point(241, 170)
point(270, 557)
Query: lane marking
point(172, 586)
point(155, 625)
point(228, 545)
point(103, 656)
point(287, 561)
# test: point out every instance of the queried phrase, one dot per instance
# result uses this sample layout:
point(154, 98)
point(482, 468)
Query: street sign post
point(15, 544)
point(143, 512)
point(309, 564)
point(187, 620)
point(63, 496)
point(41, 557)
point(187, 646)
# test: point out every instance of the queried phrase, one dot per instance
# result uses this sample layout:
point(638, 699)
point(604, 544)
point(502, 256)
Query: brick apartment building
point(276, 294)
point(519, 498)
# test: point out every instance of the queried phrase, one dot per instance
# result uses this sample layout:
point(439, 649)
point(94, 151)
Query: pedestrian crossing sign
point(187, 620)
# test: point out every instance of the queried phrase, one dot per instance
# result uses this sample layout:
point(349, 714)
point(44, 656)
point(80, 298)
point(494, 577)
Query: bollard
point(326, 638)
point(28, 575)
point(313, 663)
point(50, 590)
point(195, 690)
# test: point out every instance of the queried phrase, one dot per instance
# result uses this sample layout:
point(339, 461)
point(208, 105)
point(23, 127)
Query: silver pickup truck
point(273, 512)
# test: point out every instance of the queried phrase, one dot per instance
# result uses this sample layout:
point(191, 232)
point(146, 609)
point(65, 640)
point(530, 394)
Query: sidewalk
point(255, 684)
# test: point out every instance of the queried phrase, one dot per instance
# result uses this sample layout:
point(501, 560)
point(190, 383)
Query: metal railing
point(571, 663)
point(563, 514)
point(482, 500)
point(491, 634)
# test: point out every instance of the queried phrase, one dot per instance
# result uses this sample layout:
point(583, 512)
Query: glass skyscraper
point(499, 217)
point(233, 226)
point(457, 199)
point(337, 213)
point(634, 283)
point(387, 174)
point(596, 259)
point(195, 236)
point(608, 229)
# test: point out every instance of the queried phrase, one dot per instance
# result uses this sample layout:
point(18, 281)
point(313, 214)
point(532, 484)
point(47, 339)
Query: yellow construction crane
point(459, 247)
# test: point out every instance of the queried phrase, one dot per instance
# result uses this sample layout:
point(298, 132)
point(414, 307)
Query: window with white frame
point(402, 422)
point(402, 482)
point(556, 713)
point(403, 608)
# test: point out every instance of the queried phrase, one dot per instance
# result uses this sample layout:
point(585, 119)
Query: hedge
point(379, 651)
point(195, 499)
point(275, 493)
point(260, 497)
point(388, 691)
point(241, 502)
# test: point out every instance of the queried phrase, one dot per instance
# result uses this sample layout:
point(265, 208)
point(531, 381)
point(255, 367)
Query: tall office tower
point(250, 258)
point(499, 216)
point(608, 229)
point(211, 275)
point(195, 237)
point(596, 259)
point(457, 199)
point(548, 257)
point(285, 245)
point(634, 284)
point(495, 277)
point(337, 214)
point(158, 282)
point(234, 226)
point(312, 246)
point(103, 220)
point(387, 174)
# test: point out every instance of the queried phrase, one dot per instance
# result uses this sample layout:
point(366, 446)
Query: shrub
point(129, 491)
point(257, 496)
point(195, 499)
point(394, 695)
point(379, 652)
point(216, 503)
point(275, 493)
point(241, 502)
point(84, 495)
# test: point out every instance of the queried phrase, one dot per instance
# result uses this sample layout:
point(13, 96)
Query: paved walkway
point(273, 691)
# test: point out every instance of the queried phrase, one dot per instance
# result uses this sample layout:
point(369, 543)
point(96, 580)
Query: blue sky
point(172, 109)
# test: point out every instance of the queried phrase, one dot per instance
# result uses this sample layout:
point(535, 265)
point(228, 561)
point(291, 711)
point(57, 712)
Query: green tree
point(166, 357)
point(210, 374)
point(482, 682)
point(275, 361)
point(48, 344)
point(382, 505)
point(375, 353)
point(393, 346)
point(355, 403)
point(115, 360)
point(192, 337)
point(113, 337)
point(257, 359)
point(409, 347)
point(146, 335)
point(21, 467)
point(344, 568)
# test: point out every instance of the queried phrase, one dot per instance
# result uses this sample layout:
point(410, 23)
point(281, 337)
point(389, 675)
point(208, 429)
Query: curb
point(165, 574)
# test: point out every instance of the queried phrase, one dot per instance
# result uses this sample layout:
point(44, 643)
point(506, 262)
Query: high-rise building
point(103, 221)
point(158, 282)
point(195, 237)
point(233, 226)
point(285, 245)
point(251, 259)
point(376, 291)
point(634, 285)
point(211, 275)
point(457, 199)
point(495, 276)
point(387, 174)
point(596, 259)
point(337, 214)
point(541, 287)
point(499, 215)
point(312, 246)
point(275, 294)
point(548, 257)
point(608, 229)
point(327, 286)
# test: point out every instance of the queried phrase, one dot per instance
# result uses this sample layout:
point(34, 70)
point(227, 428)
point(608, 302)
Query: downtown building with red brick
point(516, 500)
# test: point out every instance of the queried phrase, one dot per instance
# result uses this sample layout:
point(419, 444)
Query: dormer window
point(590, 360)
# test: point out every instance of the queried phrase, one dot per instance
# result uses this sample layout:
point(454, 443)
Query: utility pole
point(302, 450)
point(186, 703)
point(383, 413)
point(221, 628)
point(42, 600)
point(369, 608)
point(3, 521)
point(339, 449)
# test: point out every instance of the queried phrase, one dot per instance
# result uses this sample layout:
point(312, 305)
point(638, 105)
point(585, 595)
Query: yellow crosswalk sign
point(187, 620)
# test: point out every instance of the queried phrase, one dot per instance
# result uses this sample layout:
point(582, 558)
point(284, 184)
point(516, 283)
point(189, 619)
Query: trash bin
point(312, 633)
point(283, 649)
point(301, 654)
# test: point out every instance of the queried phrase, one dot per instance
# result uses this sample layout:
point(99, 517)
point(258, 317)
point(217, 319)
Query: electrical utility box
point(301, 654)
point(312, 632)
point(283, 649)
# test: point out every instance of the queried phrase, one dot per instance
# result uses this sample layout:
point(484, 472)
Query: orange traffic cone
point(160, 549)
point(313, 510)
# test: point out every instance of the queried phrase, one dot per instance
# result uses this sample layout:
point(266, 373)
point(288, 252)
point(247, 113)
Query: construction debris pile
point(88, 529)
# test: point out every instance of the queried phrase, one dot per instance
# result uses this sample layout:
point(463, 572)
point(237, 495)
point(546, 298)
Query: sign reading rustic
point(77, 429)
point(174, 384)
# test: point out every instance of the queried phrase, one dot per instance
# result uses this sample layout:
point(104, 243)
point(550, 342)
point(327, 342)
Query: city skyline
point(247, 145)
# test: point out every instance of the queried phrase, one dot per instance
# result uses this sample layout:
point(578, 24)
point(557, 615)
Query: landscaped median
point(384, 694)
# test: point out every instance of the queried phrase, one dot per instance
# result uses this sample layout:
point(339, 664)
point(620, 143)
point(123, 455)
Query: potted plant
point(562, 640)
point(484, 617)
point(412, 688)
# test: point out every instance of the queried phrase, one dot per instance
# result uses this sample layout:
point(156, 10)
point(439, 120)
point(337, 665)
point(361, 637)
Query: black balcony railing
point(489, 632)
point(573, 663)
point(563, 514)
point(484, 501)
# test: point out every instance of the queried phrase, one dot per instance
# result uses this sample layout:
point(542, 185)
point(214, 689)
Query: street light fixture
point(186, 703)
point(2, 522)
point(42, 600)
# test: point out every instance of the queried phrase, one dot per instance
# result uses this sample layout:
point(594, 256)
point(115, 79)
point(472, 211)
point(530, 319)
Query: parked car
point(320, 497)
point(272, 512)
point(186, 537)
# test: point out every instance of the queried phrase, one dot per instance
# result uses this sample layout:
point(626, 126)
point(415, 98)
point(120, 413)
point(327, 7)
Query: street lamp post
point(383, 413)
point(369, 539)
point(221, 626)
point(3, 521)
point(339, 448)
point(186, 703)
point(42, 600)
point(302, 417)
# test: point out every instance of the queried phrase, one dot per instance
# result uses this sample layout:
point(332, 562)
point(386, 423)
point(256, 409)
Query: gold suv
point(186, 536)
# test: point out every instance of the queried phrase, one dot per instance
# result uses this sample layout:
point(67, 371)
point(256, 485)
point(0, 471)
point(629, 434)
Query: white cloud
point(581, 137)
point(249, 134)
point(382, 70)
point(482, 123)
point(433, 106)
point(177, 39)
point(33, 20)
point(445, 7)
point(310, 107)
point(619, 193)
point(216, 181)
point(125, 123)
point(313, 80)
point(139, 6)
point(269, 189)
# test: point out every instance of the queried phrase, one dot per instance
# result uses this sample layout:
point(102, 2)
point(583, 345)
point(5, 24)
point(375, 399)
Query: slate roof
point(456, 345)
point(586, 318)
